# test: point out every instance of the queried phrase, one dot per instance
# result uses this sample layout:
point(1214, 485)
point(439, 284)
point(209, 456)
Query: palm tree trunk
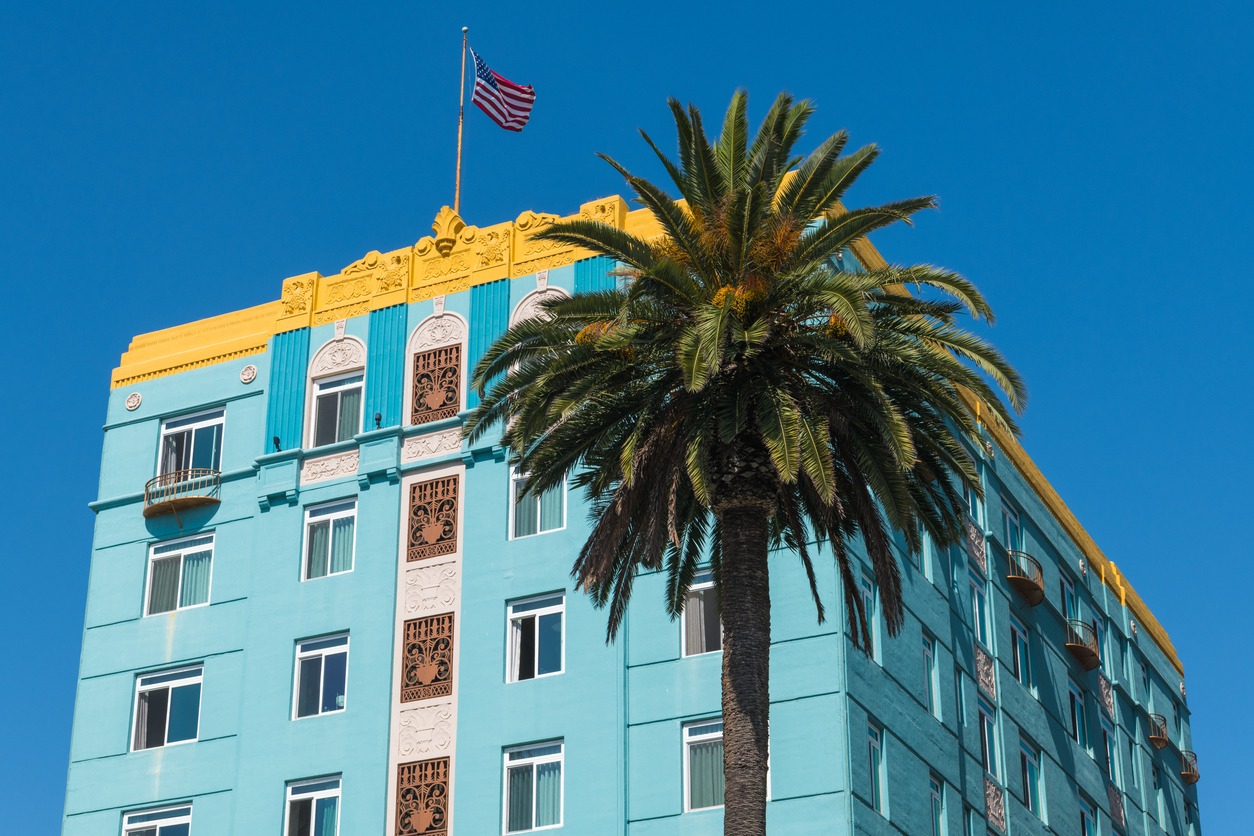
point(745, 599)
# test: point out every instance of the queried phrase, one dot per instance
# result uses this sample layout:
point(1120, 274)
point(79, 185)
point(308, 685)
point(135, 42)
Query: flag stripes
point(504, 102)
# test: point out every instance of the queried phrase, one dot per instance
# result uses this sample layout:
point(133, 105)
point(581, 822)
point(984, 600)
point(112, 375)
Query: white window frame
point(1156, 782)
point(186, 543)
point(931, 676)
point(1070, 603)
point(137, 821)
point(515, 477)
point(335, 382)
point(974, 504)
point(981, 615)
point(319, 646)
point(189, 423)
point(1033, 799)
point(1110, 744)
point(936, 792)
point(870, 602)
point(701, 581)
point(1077, 715)
point(513, 619)
point(1013, 528)
point(989, 750)
point(330, 512)
point(1088, 819)
point(691, 739)
point(313, 789)
point(927, 554)
point(876, 769)
point(559, 757)
point(180, 677)
point(1021, 654)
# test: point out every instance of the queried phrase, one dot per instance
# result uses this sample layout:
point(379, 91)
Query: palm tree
point(743, 391)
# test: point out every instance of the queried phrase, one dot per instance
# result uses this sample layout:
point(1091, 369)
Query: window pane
point(526, 511)
point(207, 447)
point(325, 816)
point(195, 586)
point(150, 718)
point(174, 452)
point(518, 780)
point(550, 639)
point(184, 712)
point(310, 685)
point(176, 830)
point(164, 592)
point(548, 794)
point(526, 648)
point(551, 502)
point(333, 680)
point(319, 544)
point(299, 817)
point(342, 544)
point(705, 774)
point(324, 419)
point(350, 414)
point(713, 625)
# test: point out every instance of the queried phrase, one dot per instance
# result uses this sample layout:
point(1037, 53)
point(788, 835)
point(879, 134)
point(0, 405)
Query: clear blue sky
point(162, 162)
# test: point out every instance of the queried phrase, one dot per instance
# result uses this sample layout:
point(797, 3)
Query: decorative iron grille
point(427, 661)
point(422, 798)
point(433, 518)
point(437, 389)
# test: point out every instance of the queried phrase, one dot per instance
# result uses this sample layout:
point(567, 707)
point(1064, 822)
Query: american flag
point(506, 103)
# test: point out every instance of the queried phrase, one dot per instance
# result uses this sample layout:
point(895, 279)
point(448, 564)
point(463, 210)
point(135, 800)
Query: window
point(531, 514)
point(988, 737)
point(927, 553)
point(875, 751)
point(337, 408)
point(174, 821)
point(867, 589)
point(1190, 816)
point(1030, 771)
point(1088, 822)
point(1070, 604)
point(1020, 653)
point(975, 506)
point(979, 610)
point(533, 787)
point(167, 708)
point(931, 682)
point(960, 697)
point(1111, 749)
point(193, 441)
point(937, 794)
point(1014, 532)
point(1077, 715)
point(329, 536)
point(703, 765)
point(535, 637)
point(1133, 773)
point(1145, 687)
point(702, 625)
point(178, 574)
point(1157, 784)
point(321, 676)
point(1175, 721)
point(313, 808)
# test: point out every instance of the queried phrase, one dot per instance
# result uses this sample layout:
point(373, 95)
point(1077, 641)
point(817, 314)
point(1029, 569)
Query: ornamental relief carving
point(389, 272)
point(346, 290)
point(1107, 694)
point(297, 294)
point(439, 330)
point(986, 672)
point(331, 467)
point(433, 518)
point(492, 248)
point(422, 798)
point(341, 355)
point(1115, 797)
point(975, 544)
point(425, 730)
point(427, 658)
point(436, 391)
point(431, 444)
point(343, 312)
point(431, 588)
point(995, 804)
point(530, 306)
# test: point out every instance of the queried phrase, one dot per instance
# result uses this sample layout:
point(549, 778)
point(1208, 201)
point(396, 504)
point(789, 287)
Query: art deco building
point(314, 610)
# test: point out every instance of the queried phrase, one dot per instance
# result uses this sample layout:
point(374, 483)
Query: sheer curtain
point(316, 561)
point(705, 774)
point(326, 817)
point(342, 544)
point(164, 594)
point(551, 509)
point(694, 621)
point(526, 511)
point(548, 794)
point(195, 578)
point(350, 414)
point(519, 799)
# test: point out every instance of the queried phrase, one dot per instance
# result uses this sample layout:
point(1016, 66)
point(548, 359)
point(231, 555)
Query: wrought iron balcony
point(1158, 731)
point(181, 489)
point(1082, 642)
point(1025, 575)
point(1188, 767)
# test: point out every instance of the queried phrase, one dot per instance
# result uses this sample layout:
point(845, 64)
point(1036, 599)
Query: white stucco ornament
point(248, 374)
point(133, 400)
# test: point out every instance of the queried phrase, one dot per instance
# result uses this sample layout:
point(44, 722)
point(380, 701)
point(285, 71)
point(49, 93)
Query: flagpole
point(461, 117)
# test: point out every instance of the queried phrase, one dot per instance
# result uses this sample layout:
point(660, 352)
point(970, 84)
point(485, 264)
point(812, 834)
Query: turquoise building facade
point(313, 609)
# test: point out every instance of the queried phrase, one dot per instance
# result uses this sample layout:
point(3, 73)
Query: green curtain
point(325, 818)
point(519, 780)
point(350, 414)
point(195, 579)
point(526, 511)
point(316, 560)
point(705, 774)
point(551, 509)
point(342, 544)
point(163, 596)
point(548, 794)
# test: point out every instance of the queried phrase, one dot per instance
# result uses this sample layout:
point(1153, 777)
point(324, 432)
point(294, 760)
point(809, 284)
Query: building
point(313, 610)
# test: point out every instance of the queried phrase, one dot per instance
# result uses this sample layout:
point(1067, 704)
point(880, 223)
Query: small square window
point(531, 514)
point(533, 787)
point(167, 708)
point(329, 539)
point(703, 765)
point(178, 574)
point(321, 676)
point(336, 409)
point(702, 622)
point(313, 808)
point(536, 632)
point(172, 821)
point(192, 442)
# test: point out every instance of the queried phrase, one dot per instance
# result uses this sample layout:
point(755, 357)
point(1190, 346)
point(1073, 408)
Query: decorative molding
point(422, 798)
point(344, 354)
point(975, 544)
point(339, 328)
point(542, 279)
point(1134, 627)
point(1107, 695)
point(298, 294)
point(994, 804)
point(248, 374)
point(329, 467)
point(1183, 692)
point(433, 518)
point(1115, 797)
point(442, 329)
point(529, 307)
point(427, 658)
point(1084, 567)
point(426, 730)
point(133, 400)
point(435, 384)
point(438, 304)
point(431, 444)
point(431, 588)
point(986, 672)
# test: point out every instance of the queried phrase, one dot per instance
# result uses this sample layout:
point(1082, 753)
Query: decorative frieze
point(431, 588)
point(433, 518)
point(975, 544)
point(427, 658)
point(1115, 797)
point(986, 672)
point(431, 444)
point(422, 798)
point(329, 467)
point(425, 730)
point(436, 384)
point(994, 804)
point(342, 354)
point(1107, 695)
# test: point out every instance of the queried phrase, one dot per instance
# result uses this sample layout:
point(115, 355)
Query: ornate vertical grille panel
point(427, 660)
point(437, 389)
point(433, 518)
point(422, 798)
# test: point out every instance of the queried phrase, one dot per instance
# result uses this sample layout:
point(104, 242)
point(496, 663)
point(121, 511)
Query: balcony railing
point(1188, 767)
point(181, 489)
point(1025, 575)
point(1158, 731)
point(1082, 642)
